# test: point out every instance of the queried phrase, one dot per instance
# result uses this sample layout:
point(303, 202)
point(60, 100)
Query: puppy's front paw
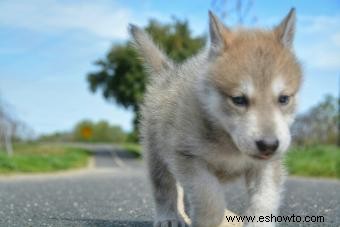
point(170, 223)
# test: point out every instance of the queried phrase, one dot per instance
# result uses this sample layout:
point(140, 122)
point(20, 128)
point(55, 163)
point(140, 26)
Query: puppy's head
point(251, 86)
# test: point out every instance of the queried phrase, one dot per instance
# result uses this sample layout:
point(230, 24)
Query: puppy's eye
point(283, 99)
point(239, 100)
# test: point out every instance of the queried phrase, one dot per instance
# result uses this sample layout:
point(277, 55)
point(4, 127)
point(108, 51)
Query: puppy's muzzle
point(267, 147)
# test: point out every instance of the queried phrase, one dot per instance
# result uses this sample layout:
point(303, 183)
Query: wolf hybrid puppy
point(222, 114)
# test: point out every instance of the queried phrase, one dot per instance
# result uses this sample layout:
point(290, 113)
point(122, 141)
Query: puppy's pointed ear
point(286, 29)
point(220, 36)
point(155, 59)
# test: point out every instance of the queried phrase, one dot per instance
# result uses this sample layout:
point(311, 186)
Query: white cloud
point(321, 56)
point(315, 24)
point(336, 39)
point(318, 42)
point(100, 18)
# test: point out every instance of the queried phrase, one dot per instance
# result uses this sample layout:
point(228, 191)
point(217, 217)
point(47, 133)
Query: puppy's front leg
point(205, 195)
point(264, 188)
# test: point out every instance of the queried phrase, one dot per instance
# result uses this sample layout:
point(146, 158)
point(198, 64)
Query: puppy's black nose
point(267, 147)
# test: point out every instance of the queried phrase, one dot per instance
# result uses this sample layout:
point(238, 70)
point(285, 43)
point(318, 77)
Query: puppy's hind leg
point(165, 193)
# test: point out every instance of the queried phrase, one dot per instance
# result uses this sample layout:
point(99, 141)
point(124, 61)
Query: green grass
point(310, 161)
point(133, 148)
point(314, 161)
point(34, 158)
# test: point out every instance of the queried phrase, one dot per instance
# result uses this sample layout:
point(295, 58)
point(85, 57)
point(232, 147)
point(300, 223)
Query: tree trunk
point(8, 142)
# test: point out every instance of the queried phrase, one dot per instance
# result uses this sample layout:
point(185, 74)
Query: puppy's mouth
point(261, 156)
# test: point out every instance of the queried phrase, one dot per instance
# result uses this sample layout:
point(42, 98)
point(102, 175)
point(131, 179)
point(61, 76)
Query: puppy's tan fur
point(247, 55)
point(192, 132)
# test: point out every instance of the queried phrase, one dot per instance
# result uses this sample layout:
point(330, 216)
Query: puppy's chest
point(229, 169)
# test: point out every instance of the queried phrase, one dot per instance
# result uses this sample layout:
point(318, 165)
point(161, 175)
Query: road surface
point(116, 193)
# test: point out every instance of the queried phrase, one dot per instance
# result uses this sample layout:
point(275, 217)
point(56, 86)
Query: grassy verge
point(33, 158)
point(310, 161)
point(314, 161)
point(133, 148)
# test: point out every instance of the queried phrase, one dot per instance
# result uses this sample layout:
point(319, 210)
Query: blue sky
point(48, 46)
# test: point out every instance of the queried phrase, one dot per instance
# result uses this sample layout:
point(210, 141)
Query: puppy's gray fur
point(192, 133)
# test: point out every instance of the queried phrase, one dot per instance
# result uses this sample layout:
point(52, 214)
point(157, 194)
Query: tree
point(10, 127)
point(6, 131)
point(102, 131)
point(319, 124)
point(238, 11)
point(121, 77)
point(83, 131)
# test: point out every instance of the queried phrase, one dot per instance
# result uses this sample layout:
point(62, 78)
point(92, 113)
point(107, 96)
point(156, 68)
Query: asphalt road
point(116, 193)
